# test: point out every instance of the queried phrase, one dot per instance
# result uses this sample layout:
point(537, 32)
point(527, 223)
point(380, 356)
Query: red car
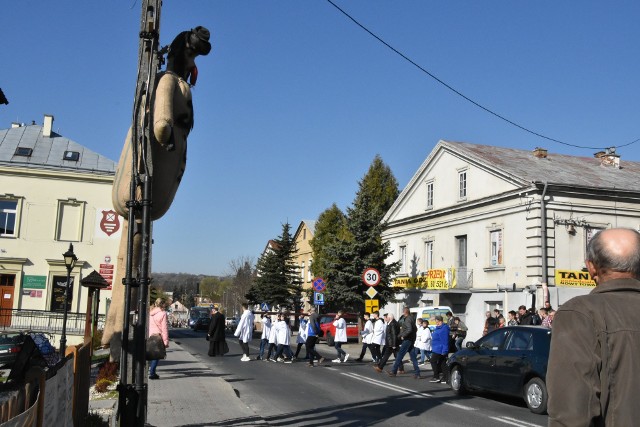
point(326, 324)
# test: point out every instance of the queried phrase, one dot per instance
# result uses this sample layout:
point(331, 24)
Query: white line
point(402, 389)
point(514, 422)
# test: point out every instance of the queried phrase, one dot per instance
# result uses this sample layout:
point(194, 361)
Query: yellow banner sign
point(574, 278)
point(432, 279)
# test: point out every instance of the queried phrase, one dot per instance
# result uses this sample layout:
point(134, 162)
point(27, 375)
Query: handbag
point(155, 348)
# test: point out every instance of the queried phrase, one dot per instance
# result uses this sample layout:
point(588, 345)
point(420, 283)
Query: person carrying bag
point(158, 339)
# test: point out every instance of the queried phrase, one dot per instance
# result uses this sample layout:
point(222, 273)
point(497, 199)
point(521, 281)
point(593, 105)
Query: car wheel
point(330, 341)
point(535, 396)
point(457, 384)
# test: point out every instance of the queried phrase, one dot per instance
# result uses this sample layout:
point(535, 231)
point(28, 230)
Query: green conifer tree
point(361, 246)
point(278, 281)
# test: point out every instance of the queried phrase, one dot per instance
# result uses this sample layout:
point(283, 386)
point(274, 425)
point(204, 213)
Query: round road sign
point(371, 277)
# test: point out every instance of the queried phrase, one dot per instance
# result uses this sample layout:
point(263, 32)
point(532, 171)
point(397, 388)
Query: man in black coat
point(392, 333)
point(215, 336)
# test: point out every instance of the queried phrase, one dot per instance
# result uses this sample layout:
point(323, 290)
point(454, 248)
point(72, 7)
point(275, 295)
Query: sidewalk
point(189, 394)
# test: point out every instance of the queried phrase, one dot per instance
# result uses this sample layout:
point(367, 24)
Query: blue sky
point(295, 100)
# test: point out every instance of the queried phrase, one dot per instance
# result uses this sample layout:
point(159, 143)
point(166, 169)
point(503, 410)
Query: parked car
point(326, 324)
point(195, 313)
point(511, 360)
point(10, 346)
point(231, 322)
point(202, 323)
point(430, 314)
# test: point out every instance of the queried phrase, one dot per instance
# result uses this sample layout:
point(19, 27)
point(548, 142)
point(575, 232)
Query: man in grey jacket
point(594, 366)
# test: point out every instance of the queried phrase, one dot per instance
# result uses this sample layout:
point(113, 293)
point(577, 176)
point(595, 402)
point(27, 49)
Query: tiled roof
point(48, 152)
point(557, 169)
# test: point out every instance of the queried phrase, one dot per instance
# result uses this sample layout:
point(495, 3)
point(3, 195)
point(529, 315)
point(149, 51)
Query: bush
point(102, 384)
point(108, 371)
point(94, 420)
point(96, 341)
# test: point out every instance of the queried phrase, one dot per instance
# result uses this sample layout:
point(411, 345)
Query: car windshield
point(326, 319)
point(10, 338)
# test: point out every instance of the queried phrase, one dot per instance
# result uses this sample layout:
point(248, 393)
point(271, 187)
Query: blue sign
point(318, 298)
point(264, 306)
point(319, 285)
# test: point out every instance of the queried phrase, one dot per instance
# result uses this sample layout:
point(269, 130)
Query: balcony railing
point(464, 278)
point(44, 321)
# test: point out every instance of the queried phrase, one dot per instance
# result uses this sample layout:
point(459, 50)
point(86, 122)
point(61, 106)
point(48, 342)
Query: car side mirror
point(472, 345)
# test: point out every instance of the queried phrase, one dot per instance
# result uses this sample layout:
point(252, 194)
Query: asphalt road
point(350, 394)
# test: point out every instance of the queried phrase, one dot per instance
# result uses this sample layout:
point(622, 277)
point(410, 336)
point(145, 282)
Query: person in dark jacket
point(439, 349)
point(592, 378)
point(408, 330)
point(313, 332)
point(390, 342)
point(525, 316)
point(215, 335)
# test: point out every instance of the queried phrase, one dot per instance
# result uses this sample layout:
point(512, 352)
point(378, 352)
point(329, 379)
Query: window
point(430, 195)
point(463, 185)
point(403, 259)
point(302, 270)
point(520, 340)
point(589, 234)
point(309, 276)
point(495, 237)
point(70, 218)
point(8, 212)
point(493, 341)
point(23, 151)
point(57, 293)
point(73, 156)
point(428, 255)
point(461, 247)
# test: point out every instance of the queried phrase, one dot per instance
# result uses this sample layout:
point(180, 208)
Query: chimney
point(608, 158)
point(48, 125)
point(540, 153)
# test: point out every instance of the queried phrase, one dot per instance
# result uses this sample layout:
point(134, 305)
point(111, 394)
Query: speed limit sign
point(371, 277)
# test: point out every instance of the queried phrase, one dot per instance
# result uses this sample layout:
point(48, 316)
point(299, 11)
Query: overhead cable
point(457, 92)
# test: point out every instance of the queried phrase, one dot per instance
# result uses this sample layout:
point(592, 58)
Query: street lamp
point(69, 262)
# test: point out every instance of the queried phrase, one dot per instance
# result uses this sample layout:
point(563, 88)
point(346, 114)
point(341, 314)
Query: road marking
point(403, 390)
point(514, 422)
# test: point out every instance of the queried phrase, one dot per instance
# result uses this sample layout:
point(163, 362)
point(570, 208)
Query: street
point(349, 394)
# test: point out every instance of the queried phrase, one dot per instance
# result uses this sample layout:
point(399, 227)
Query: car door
point(480, 366)
point(513, 361)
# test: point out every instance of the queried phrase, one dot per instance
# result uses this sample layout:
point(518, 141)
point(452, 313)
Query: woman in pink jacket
point(158, 326)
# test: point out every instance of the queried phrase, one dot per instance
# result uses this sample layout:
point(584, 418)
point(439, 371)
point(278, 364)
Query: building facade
point(53, 193)
point(304, 255)
point(481, 227)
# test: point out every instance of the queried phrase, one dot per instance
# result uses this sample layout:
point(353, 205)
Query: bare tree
point(242, 273)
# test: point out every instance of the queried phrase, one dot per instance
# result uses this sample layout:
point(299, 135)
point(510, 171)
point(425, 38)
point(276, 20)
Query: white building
point(53, 192)
point(469, 228)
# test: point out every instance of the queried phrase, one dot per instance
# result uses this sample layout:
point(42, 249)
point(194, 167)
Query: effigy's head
point(184, 49)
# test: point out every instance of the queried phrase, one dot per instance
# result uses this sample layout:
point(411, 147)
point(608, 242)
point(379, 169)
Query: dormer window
point(24, 151)
point(72, 156)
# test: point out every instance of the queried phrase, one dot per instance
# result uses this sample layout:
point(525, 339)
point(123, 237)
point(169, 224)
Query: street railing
point(44, 321)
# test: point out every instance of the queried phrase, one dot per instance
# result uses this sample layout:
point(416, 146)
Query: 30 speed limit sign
point(371, 277)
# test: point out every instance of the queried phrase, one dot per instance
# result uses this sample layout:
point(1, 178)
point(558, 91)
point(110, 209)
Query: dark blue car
point(511, 361)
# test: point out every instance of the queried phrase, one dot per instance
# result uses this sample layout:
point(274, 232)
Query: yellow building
point(304, 253)
point(53, 192)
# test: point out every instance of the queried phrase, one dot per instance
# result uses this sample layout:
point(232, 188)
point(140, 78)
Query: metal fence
point(44, 321)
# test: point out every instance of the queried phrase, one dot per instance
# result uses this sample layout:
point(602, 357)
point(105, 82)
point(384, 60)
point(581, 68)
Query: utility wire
point(457, 92)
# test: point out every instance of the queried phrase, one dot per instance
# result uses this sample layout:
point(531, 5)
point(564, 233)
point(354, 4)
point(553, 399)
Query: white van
point(430, 314)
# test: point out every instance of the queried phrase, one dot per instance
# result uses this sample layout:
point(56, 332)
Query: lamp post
point(69, 262)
